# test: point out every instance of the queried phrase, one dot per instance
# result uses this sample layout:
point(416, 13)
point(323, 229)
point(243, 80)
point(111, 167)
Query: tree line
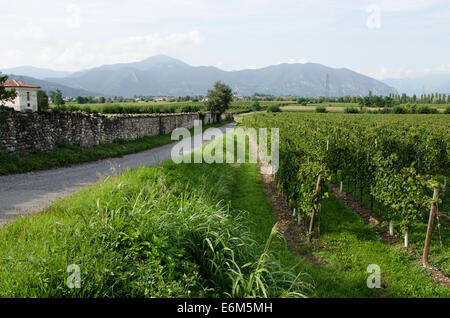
point(380, 101)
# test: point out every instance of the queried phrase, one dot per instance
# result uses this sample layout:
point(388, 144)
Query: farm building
point(26, 98)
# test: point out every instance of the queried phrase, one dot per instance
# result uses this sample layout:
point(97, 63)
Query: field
point(340, 107)
point(236, 107)
point(204, 230)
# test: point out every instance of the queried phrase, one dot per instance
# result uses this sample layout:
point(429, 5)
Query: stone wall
point(28, 132)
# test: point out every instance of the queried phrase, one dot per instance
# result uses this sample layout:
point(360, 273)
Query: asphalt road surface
point(22, 194)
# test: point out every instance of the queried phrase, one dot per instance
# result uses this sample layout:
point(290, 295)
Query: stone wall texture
point(28, 132)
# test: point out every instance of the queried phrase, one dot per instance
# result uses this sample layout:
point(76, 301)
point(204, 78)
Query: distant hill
point(50, 86)
point(31, 71)
point(165, 76)
point(436, 83)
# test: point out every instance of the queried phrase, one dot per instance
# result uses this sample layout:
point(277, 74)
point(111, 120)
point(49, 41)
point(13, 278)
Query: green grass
point(193, 230)
point(438, 257)
point(67, 155)
point(350, 247)
point(166, 231)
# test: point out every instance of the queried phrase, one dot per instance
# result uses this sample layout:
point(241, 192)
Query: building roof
point(14, 83)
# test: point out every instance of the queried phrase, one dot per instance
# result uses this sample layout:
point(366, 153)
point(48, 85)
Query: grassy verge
point(66, 155)
point(185, 230)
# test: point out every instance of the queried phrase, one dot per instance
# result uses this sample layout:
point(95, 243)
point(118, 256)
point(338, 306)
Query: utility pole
point(327, 87)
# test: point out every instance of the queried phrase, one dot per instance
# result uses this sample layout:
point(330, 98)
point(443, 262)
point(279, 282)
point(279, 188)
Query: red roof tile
point(14, 83)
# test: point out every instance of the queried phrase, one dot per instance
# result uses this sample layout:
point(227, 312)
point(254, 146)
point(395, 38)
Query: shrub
point(399, 110)
point(170, 109)
point(427, 110)
point(73, 108)
point(112, 109)
point(133, 109)
point(256, 106)
point(351, 110)
point(321, 109)
point(447, 110)
point(190, 109)
point(273, 109)
point(412, 108)
point(302, 101)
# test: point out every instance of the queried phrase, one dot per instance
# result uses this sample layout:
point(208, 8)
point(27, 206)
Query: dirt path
point(289, 224)
point(27, 193)
point(293, 230)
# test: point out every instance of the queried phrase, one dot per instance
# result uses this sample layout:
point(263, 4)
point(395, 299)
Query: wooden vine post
point(430, 227)
point(316, 197)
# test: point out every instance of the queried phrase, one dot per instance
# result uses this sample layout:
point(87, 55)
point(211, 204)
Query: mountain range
point(161, 75)
point(50, 86)
point(434, 83)
point(36, 72)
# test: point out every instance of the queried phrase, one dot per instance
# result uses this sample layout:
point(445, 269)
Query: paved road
point(31, 192)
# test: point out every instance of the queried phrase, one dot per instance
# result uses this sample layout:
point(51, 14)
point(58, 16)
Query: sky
point(379, 38)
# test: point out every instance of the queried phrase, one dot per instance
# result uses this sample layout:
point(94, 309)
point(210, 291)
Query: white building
point(26, 98)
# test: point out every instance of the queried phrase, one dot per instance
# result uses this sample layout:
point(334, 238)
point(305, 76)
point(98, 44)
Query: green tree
point(57, 98)
point(256, 106)
point(81, 100)
point(219, 98)
point(42, 100)
point(6, 95)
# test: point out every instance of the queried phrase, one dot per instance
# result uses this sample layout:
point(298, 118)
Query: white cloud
point(80, 55)
point(25, 33)
point(221, 65)
point(398, 6)
point(381, 74)
point(443, 68)
point(11, 57)
point(294, 61)
point(241, 33)
point(384, 73)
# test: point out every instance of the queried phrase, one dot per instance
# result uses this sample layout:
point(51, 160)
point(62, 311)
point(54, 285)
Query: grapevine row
point(398, 160)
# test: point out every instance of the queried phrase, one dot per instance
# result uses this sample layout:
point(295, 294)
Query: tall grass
point(166, 231)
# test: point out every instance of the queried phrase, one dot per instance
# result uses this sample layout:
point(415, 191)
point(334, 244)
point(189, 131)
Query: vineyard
point(214, 230)
point(392, 164)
